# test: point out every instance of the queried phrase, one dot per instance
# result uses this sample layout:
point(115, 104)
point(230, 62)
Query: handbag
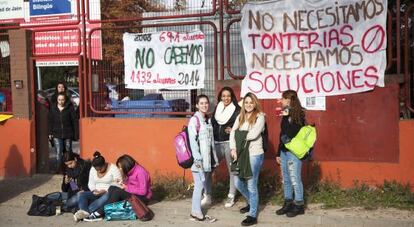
point(121, 210)
point(141, 210)
point(302, 142)
point(45, 205)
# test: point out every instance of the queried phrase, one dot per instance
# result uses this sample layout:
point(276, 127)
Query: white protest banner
point(11, 11)
point(169, 60)
point(316, 47)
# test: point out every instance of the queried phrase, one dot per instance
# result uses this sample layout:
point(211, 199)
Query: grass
point(328, 193)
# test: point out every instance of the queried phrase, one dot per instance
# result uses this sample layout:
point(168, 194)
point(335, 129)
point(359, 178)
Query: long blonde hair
point(257, 109)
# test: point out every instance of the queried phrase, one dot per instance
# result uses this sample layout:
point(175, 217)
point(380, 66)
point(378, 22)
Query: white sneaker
point(93, 217)
point(229, 202)
point(206, 201)
point(80, 215)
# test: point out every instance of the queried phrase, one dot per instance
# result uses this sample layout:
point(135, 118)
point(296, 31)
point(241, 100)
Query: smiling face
point(249, 105)
point(203, 105)
point(226, 97)
point(60, 88)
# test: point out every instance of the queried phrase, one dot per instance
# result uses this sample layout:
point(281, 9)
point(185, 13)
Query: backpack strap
point(198, 125)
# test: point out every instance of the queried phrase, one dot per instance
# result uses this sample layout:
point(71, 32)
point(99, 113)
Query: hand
point(227, 130)
point(278, 160)
point(233, 154)
point(67, 179)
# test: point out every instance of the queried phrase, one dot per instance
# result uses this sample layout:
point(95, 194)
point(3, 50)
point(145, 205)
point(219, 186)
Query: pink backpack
point(183, 148)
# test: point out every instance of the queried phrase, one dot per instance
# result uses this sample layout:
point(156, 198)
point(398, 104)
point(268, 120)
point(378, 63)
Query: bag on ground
point(46, 205)
point(117, 211)
point(141, 210)
point(182, 147)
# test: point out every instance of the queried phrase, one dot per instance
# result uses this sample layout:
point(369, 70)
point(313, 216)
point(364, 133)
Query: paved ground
point(15, 199)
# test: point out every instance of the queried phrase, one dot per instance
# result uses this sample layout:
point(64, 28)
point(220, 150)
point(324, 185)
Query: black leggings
point(118, 194)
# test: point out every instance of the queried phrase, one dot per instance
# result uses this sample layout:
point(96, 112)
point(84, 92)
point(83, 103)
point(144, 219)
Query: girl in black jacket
point(63, 127)
point(224, 115)
point(293, 118)
point(75, 179)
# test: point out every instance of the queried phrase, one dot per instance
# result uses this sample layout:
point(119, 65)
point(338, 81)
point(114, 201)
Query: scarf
point(224, 113)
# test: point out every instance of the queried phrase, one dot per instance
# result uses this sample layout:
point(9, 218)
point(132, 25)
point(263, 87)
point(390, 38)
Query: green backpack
point(303, 141)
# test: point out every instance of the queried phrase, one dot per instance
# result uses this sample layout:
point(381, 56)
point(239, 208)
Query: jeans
point(199, 184)
point(248, 188)
point(223, 152)
point(61, 144)
point(88, 198)
point(292, 180)
point(69, 203)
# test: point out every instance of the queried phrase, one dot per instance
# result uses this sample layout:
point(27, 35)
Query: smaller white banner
point(11, 10)
point(313, 103)
point(169, 60)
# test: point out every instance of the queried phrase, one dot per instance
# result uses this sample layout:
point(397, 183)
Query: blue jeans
point(86, 198)
point(198, 189)
point(69, 203)
point(292, 180)
point(248, 188)
point(223, 152)
point(61, 144)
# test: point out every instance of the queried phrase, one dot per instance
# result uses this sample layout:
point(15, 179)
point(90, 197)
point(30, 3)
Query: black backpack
point(46, 205)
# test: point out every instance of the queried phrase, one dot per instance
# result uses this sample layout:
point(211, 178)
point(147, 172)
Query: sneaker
point(80, 215)
point(205, 218)
point(206, 201)
point(296, 210)
point(245, 209)
point(249, 221)
point(93, 217)
point(230, 202)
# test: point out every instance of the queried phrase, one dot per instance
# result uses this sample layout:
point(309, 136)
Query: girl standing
point(201, 139)
point(63, 126)
point(223, 119)
point(293, 118)
point(247, 149)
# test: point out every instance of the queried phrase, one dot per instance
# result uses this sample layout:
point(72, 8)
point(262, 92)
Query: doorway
point(47, 77)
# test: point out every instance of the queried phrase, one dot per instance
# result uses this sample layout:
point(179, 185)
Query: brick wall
point(20, 51)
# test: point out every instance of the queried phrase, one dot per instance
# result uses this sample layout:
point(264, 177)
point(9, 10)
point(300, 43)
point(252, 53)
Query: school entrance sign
point(319, 48)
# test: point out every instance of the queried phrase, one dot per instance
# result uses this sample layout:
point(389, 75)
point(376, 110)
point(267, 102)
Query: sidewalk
point(15, 199)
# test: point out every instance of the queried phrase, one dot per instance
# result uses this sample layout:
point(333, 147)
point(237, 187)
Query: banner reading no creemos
point(164, 60)
point(318, 48)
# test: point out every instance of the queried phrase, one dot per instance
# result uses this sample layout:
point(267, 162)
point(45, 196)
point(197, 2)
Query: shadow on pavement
point(13, 187)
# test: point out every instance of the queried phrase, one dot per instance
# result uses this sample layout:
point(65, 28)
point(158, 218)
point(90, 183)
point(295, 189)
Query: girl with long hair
point(293, 118)
point(223, 119)
point(246, 146)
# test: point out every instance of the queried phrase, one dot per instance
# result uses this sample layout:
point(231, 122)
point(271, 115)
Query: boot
point(296, 210)
point(287, 205)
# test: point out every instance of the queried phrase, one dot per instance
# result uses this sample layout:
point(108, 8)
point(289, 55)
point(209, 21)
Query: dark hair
point(126, 162)
point(63, 94)
point(200, 97)
point(296, 110)
point(69, 156)
point(98, 160)
point(64, 85)
point(233, 96)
